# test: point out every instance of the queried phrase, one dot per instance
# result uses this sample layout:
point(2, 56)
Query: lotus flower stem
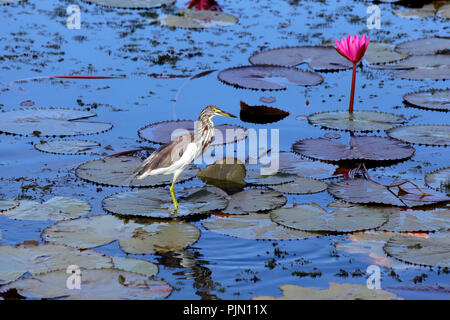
point(352, 93)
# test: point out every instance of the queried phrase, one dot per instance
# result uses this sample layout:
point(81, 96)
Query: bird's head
point(212, 111)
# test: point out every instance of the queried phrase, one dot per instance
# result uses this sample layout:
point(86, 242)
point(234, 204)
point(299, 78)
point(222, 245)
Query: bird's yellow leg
point(174, 197)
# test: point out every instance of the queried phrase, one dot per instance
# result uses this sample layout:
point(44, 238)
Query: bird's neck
point(204, 129)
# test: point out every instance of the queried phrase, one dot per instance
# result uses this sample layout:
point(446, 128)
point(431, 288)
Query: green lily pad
point(313, 218)
point(133, 237)
point(254, 226)
point(68, 146)
point(438, 73)
point(36, 259)
point(198, 19)
point(139, 266)
point(301, 185)
point(434, 99)
point(423, 46)
point(264, 77)
point(366, 191)
point(50, 122)
point(8, 204)
point(439, 180)
point(118, 172)
point(380, 53)
point(157, 202)
point(254, 200)
point(104, 284)
point(132, 4)
point(227, 174)
point(433, 251)
point(362, 121)
point(430, 135)
point(319, 58)
point(336, 291)
point(254, 177)
point(56, 209)
point(412, 220)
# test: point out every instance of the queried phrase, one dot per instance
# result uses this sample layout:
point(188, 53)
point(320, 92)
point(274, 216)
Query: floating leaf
point(264, 77)
point(302, 185)
point(161, 132)
point(426, 11)
point(261, 114)
point(412, 220)
point(132, 4)
point(255, 226)
point(366, 191)
point(133, 237)
point(356, 121)
point(433, 99)
point(227, 174)
point(312, 217)
point(196, 19)
point(424, 46)
point(105, 284)
point(157, 203)
point(118, 171)
point(8, 204)
point(379, 53)
point(318, 58)
point(36, 259)
point(56, 209)
point(362, 148)
point(68, 146)
point(433, 251)
point(254, 200)
point(431, 135)
point(439, 180)
point(50, 122)
point(336, 291)
point(254, 177)
point(139, 266)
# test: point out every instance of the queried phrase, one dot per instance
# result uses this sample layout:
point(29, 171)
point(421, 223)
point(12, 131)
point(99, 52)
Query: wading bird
point(176, 155)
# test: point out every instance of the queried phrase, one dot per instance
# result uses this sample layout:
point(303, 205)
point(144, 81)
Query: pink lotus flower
point(353, 49)
point(204, 5)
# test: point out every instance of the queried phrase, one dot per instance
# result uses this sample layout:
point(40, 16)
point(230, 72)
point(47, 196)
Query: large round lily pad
point(139, 266)
point(56, 209)
point(411, 220)
point(50, 122)
point(319, 58)
point(439, 180)
point(379, 53)
point(431, 135)
point(8, 204)
point(68, 146)
point(104, 284)
point(195, 19)
point(362, 148)
point(157, 202)
point(133, 237)
point(366, 191)
point(118, 171)
point(255, 226)
point(434, 99)
point(301, 185)
point(425, 46)
point(132, 4)
point(161, 132)
point(254, 177)
point(362, 121)
point(312, 217)
point(254, 200)
point(264, 77)
point(433, 251)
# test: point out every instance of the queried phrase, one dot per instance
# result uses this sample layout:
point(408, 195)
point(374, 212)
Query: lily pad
point(336, 291)
point(139, 266)
point(379, 53)
point(196, 19)
point(118, 172)
point(434, 99)
point(161, 132)
point(56, 209)
point(264, 77)
point(366, 191)
point(105, 284)
point(439, 180)
point(254, 200)
point(254, 226)
point(157, 202)
point(412, 220)
point(361, 148)
point(431, 135)
point(362, 121)
point(133, 237)
point(254, 177)
point(8, 204)
point(261, 114)
point(428, 10)
point(423, 46)
point(433, 251)
point(319, 58)
point(132, 4)
point(68, 146)
point(227, 174)
point(313, 218)
point(301, 185)
point(50, 122)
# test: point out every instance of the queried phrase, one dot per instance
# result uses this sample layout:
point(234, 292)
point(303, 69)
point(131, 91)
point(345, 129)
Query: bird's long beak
point(226, 114)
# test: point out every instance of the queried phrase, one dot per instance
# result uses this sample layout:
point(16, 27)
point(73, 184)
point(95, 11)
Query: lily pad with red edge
point(69, 147)
point(132, 4)
point(360, 148)
point(254, 200)
point(265, 77)
point(380, 53)
point(319, 58)
point(413, 220)
point(50, 122)
point(359, 121)
point(434, 99)
point(195, 19)
point(301, 185)
point(426, 46)
point(369, 192)
point(118, 172)
point(430, 135)
point(261, 114)
point(439, 180)
point(161, 132)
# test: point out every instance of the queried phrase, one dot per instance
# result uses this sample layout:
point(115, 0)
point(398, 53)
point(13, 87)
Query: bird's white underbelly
point(189, 155)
